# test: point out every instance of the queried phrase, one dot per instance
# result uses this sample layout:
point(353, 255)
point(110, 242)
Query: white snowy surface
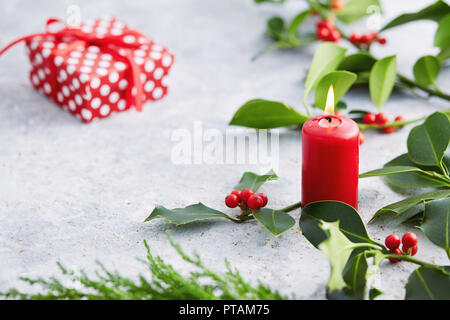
point(75, 193)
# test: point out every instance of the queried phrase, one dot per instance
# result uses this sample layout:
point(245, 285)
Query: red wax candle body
point(330, 160)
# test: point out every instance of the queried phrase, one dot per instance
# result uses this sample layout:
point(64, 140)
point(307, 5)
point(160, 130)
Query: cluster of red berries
point(409, 244)
point(246, 198)
point(381, 119)
point(367, 39)
point(326, 31)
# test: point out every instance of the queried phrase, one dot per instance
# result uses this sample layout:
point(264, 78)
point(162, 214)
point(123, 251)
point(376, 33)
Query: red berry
point(335, 36)
point(362, 137)
point(264, 198)
point(388, 130)
point(325, 24)
point(245, 194)
point(255, 202)
point(364, 39)
point(369, 118)
point(396, 251)
point(381, 41)
point(392, 241)
point(355, 38)
point(409, 240)
point(381, 119)
point(323, 33)
point(232, 201)
point(237, 192)
point(337, 5)
point(399, 119)
point(371, 36)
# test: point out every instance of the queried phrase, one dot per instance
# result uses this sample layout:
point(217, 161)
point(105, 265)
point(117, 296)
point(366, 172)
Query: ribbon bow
point(108, 43)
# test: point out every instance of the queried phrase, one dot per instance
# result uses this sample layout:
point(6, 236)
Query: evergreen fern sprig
point(164, 283)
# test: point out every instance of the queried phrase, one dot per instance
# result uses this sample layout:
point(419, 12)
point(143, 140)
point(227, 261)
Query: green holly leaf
point(382, 80)
point(436, 223)
point(356, 9)
point(400, 207)
point(410, 177)
point(433, 12)
point(428, 142)
point(276, 28)
point(265, 114)
point(357, 62)
point(442, 35)
point(351, 224)
point(326, 59)
point(413, 180)
point(338, 248)
point(374, 293)
point(355, 273)
point(295, 24)
point(426, 70)
point(276, 222)
point(341, 81)
point(191, 213)
point(251, 180)
point(426, 283)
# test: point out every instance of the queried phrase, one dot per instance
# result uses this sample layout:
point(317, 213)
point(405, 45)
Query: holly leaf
point(409, 177)
point(426, 283)
point(382, 80)
point(398, 208)
point(341, 81)
point(337, 247)
point(276, 222)
point(444, 55)
point(265, 114)
point(326, 59)
point(433, 12)
point(354, 275)
point(356, 9)
point(276, 28)
point(351, 224)
point(357, 62)
point(436, 225)
point(191, 213)
point(428, 142)
point(295, 24)
point(374, 293)
point(442, 35)
point(412, 180)
point(426, 70)
point(251, 180)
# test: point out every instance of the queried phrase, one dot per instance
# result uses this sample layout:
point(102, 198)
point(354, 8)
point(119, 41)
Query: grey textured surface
point(75, 193)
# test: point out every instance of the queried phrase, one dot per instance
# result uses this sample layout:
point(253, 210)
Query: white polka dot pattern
point(91, 82)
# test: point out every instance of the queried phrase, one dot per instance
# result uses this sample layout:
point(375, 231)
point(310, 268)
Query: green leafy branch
point(275, 221)
point(426, 165)
point(384, 77)
point(337, 230)
point(330, 66)
point(163, 283)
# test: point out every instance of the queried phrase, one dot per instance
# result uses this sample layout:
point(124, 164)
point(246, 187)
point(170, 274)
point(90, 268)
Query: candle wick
point(329, 119)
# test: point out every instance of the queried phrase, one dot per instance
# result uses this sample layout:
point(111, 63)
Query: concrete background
point(75, 193)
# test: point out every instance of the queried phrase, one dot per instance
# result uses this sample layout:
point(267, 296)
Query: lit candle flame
point(329, 104)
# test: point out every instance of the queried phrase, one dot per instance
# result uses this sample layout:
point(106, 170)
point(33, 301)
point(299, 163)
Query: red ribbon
point(103, 42)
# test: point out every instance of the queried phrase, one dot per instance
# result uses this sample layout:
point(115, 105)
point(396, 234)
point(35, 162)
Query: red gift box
point(99, 68)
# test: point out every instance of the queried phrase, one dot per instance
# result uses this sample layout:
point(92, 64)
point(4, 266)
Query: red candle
point(330, 159)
